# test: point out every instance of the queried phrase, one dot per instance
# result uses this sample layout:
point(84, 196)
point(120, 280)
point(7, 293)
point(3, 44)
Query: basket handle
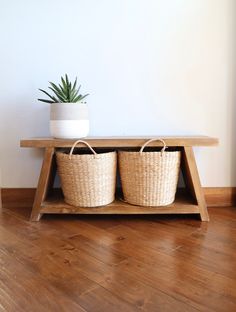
point(151, 140)
point(83, 142)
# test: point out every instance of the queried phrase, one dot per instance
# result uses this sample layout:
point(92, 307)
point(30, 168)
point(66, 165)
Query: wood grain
point(42, 204)
point(220, 196)
point(192, 180)
point(215, 196)
point(22, 196)
point(45, 180)
point(183, 204)
point(117, 263)
point(122, 141)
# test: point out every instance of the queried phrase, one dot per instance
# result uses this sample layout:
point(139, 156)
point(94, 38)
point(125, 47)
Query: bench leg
point(45, 179)
point(192, 181)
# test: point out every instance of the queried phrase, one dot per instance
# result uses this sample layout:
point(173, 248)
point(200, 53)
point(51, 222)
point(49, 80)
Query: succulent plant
point(66, 92)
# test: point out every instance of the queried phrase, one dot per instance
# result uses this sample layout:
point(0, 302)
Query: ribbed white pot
point(69, 120)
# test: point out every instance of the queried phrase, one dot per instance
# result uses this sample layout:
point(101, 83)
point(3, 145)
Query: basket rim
point(60, 153)
point(152, 152)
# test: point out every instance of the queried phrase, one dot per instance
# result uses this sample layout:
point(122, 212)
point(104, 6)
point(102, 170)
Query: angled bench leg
point(45, 181)
point(192, 180)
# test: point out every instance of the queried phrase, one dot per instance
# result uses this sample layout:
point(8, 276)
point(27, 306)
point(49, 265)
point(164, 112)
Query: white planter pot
point(69, 120)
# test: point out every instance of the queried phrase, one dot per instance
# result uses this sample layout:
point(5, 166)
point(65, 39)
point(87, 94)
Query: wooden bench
point(191, 201)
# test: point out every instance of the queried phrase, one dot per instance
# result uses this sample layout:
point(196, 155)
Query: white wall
point(151, 67)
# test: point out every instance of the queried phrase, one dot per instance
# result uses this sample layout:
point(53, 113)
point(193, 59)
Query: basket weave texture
point(87, 180)
point(149, 178)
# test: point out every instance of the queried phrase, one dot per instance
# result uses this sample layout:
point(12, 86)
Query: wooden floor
point(117, 263)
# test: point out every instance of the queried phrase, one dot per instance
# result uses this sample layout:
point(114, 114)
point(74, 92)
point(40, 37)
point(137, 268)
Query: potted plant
point(68, 114)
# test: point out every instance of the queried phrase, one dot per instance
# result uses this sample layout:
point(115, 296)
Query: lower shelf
point(183, 204)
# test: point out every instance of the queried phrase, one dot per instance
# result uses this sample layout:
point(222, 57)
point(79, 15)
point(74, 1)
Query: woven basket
point(87, 180)
point(150, 178)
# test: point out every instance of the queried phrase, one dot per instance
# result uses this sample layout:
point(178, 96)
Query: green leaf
point(56, 89)
point(69, 91)
point(84, 96)
point(50, 96)
point(80, 97)
point(60, 97)
point(67, 80)
point(46, 101)
point(64, 85)
point(77, 99)
point(74, 94)
point(62, 90)
point(74, 85)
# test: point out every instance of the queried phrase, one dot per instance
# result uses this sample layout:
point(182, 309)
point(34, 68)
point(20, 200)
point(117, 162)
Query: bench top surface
point(127, 141)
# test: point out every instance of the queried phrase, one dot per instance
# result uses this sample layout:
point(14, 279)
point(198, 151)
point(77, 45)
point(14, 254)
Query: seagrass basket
point(87, 180)
point(149, 178)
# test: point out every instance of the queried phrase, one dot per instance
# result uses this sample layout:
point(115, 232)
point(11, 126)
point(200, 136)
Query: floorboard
point(117, 263)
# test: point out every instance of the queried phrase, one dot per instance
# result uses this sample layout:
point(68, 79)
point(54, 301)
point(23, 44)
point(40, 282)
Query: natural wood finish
point(192, 180)
point(52, 175)
point(188, 166)
point(22, 196)
point(182, 204)
point(117, 263)
point(43, 184)
point(214, 196)
point(122, 141)
point(220, 196)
